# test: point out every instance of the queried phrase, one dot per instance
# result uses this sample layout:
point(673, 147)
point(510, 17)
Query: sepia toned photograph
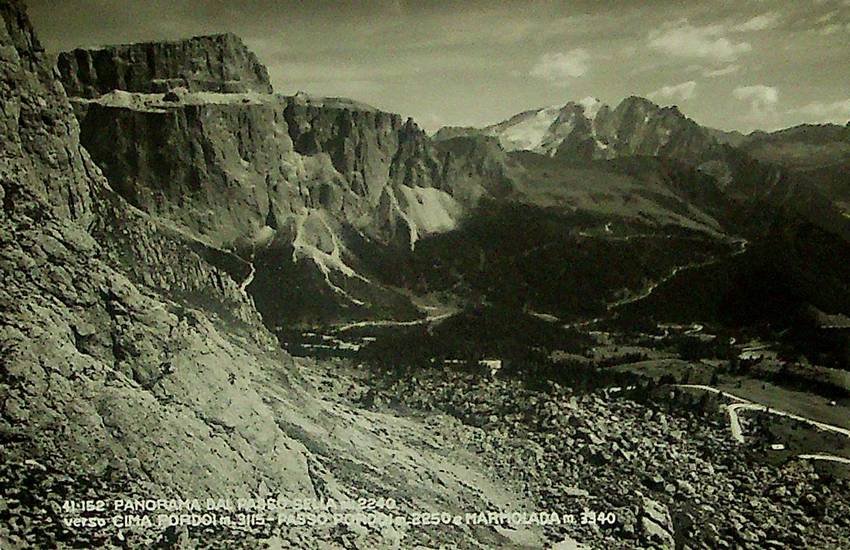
point(425, 274)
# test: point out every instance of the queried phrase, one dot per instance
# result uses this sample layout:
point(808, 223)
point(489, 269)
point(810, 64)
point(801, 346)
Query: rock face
point(275, 158)
point(282, 179)
point(656, 523)
point(474, 167)
point(278, 179)
point(87, 351)
point(73, 323)
point(40, 148)
point(42, 156)
point(639, 127)
point(217, 63)
point(370, 148)
point(220, 168)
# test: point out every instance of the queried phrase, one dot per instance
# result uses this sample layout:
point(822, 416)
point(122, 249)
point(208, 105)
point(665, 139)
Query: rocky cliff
point(278, 179)
point(218, 63)
point(40, 148)
point(638, 126)
point(226, 166)
point(221, 168)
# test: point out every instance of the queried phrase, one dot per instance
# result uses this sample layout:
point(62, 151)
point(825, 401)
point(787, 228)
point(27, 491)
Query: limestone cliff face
point(217, 63)
point(361, 144)
point(219, 169)
point(638, 126)
point(87, 348)
point(384, 161)
point(226, 166)
point(473, 167)
point(283, 179)
point(269, 176)
point(86, 351)
point(40, 146)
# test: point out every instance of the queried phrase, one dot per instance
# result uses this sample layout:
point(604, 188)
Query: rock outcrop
point(217, 63)
point(474, 167)
point(370, 148)
point(40, 148)
point(638, 126)
point(226, 166)
point(220, 168)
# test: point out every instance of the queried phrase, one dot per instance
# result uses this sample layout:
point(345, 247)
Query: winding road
point(742, 247)
point(742, 405)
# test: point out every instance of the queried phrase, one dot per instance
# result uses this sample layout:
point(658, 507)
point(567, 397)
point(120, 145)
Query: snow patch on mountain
point(529, 133)
point(591, 107)
point(589, 129)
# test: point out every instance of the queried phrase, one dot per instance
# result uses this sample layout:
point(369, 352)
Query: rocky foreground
point(671, 475)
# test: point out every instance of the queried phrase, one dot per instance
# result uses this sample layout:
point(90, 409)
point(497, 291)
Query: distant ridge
point(589, 129)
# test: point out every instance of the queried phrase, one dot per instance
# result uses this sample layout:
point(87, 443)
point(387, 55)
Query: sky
point(733, 65)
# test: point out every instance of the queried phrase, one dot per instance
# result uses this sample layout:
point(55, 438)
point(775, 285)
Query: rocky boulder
point(656, 522)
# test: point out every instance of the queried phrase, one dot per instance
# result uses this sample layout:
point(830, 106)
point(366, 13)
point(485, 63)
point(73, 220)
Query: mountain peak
point(634, 100)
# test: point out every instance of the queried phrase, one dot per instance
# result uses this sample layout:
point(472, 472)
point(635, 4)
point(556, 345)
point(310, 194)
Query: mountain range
point(325, 193)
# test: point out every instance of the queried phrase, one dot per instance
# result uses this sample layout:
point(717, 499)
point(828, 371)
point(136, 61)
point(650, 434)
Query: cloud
point(763, 99)
point(682, 91)
point(723, 71)
point(758, 23)
point(681, 39)
point(556, 67)
point(823, 112)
